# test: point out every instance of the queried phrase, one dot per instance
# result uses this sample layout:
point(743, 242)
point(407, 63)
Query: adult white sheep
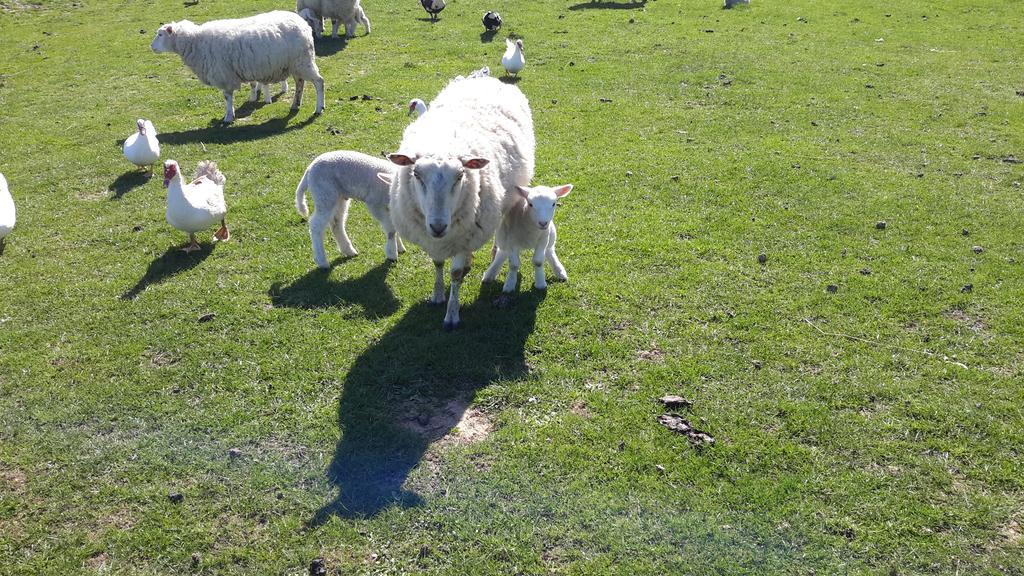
point(264, 48)
point(347, 12)
point(333, 179)
point(459, 166)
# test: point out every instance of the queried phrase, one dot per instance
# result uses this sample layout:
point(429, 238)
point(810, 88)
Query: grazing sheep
point(263, 48)
point(459, 165)
point(530, 224)
point(344, 175)
point(349, 12)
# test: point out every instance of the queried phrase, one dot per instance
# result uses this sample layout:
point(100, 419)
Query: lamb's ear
point(475, 163)
point(563, 190)
point(401, 159)
point(523, 191)
point(385, 177)
point(169, 29)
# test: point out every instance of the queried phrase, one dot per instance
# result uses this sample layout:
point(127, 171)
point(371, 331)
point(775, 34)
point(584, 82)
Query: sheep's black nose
point(542, 224)
point(438, 228)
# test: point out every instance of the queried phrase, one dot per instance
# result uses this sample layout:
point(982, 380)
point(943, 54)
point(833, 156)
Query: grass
point(881, 434)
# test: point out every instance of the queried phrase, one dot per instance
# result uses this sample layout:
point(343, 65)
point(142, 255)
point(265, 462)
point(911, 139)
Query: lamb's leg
point(284, 86)
point(266, 94)
point(461, 264)
point(366, 21)
point(334, 27)
point(350, 29)
point(318, 83)
point(556, 264)
point(254, 88)
point(491, 274)
point(437, 298)
point(513, 272)
point(401, 246)
point(383, 217)
point(299, 85)
point(317, 226)
point(229, 106)
point(338, 224)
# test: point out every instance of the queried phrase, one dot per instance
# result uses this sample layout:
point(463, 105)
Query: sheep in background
point(348, 12)
point(7, 212)
point(264, 48)
point(333, 179)
point(257, 87)
point(530, 224)
point(459, 165)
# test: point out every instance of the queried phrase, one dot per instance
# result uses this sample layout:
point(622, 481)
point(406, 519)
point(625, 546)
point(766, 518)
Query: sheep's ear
point(401, 159)
point(385, 177)
point(523, 191)
point(170, 29)
point(563, 190)
point(475, 163)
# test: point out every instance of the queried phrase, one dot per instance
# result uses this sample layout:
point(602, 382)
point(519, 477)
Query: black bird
point(492, 21)
point(433, 7)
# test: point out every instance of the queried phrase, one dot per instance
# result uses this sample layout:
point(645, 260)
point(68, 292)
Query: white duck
point(7, 212)
point(198, 205)
point(142, 147)
point(514, 60)
point(418, 106)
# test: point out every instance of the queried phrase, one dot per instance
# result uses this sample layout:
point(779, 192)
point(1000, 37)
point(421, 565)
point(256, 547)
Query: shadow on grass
point(327, 46)
point(127, 182)
point(172, 262)
point(411, 388)
point(609, 5)
point(316, 290)
point(487, 36)
point(218, 133)
point(510, 79)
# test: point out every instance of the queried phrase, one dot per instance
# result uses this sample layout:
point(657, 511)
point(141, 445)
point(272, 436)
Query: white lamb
point(459, 165)
point(264, 48)
point(530, 224)
point(347, 12)
point(344, 175)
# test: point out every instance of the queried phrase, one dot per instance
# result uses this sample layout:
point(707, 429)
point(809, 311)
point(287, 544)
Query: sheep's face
point(316, 24)
point(164, 41)
point(541, 201)
point(438, 184)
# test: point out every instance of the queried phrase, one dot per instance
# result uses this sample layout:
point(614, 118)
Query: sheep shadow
point(127, 182)
point(327, 46)
point(410, 388)
point(632, 5)
point(173, 261)
point(510, 79)
point(488, 36)
point(218, 133)
point(316, 290)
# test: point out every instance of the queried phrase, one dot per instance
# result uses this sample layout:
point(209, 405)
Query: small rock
point(967, 289)
point(673, 402)
point(977, 249)
point(965, 232)
point(762, 258)
point(756, 364)
point(176, 497)
point(865, 271)
point(675, 178)
point(207, 317)
point(880, 225)
point(234, 453)
point(832, 288)
point(142, 30)
point(629, 172)
point(318, 567)
point(976, 157)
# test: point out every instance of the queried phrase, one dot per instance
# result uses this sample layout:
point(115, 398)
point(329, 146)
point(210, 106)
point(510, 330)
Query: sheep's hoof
point(449, 326)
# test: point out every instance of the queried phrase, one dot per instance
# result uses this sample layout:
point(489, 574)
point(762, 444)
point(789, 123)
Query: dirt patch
point(93, 196)
point(452, 422)
point(99, 562)
point(1012, 532)
point(652, 354)
point(580, 409)
point(17, 6)
point(973, 323)
point(14, 480)
point(159, 358)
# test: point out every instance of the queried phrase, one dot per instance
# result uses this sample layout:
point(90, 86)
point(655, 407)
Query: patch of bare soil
point(973, 323)
point(452, 422)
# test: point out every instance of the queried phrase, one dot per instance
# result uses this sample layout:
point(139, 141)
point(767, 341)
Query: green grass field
point(873, 429)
